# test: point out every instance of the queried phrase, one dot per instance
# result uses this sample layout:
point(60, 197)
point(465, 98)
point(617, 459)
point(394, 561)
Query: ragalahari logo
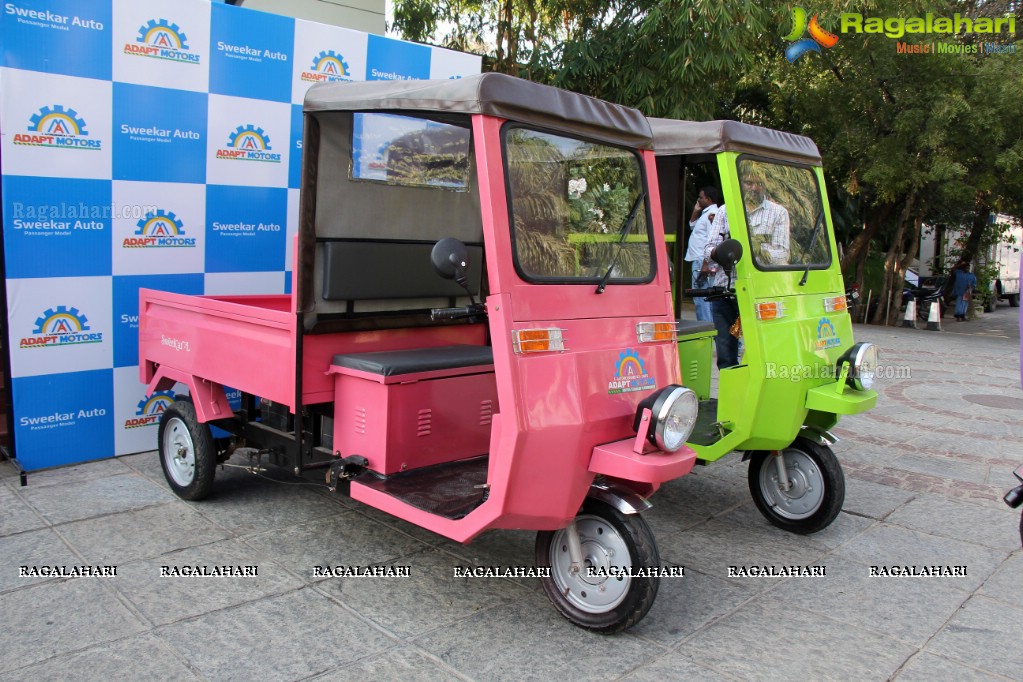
point(249, 143)
point(818, 36)
point(159, 229)
point(61, 327)
point(59, 128)
point(150, 409)
point(160, 39)
point(328, 67)
point(630, 375)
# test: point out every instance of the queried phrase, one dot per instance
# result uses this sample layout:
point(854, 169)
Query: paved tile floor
point(925, 474)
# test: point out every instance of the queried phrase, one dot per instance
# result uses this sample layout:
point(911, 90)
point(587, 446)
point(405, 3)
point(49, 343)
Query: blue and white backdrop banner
point(140, 140)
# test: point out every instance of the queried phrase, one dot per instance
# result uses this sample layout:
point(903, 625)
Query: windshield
point(785, 216)
point(570, 202)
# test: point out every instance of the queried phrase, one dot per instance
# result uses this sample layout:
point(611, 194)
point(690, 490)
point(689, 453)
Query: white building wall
point(361, 15)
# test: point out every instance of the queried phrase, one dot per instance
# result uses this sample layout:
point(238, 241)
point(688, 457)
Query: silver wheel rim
point(806, 486)
point(178, 452)
point(604, 551)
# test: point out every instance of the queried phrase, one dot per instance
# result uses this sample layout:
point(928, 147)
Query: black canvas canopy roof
point(673, 137)
point(493, 94)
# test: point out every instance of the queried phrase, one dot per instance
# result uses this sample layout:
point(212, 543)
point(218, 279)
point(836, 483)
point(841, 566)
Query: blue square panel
point(64, 418)
point(245, 228)
point(251, 54)
point(56, 227)
point(68, 37)
point(159, 134)
point(295, 170)
point(396, 60)
point(126, 308)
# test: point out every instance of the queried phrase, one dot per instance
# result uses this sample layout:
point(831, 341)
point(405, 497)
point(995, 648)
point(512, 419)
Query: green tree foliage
point(907, 139)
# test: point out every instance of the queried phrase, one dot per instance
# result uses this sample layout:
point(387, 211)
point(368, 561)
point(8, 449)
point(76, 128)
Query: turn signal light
point(537, 340)
point(835, 304)
point(770, 310)
point(647, 332)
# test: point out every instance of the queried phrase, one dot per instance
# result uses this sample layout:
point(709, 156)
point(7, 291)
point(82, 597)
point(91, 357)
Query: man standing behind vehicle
point(703, 215)
point(768, 221)
point(962, 287)
point(725, 312)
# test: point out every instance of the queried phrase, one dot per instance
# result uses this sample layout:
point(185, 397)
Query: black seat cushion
point(394, 362)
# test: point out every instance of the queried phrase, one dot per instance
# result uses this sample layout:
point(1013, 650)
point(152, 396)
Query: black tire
point(1014, 300)
point(817, 492)
point(187, 452)
point(605, 604)
point(991, 303)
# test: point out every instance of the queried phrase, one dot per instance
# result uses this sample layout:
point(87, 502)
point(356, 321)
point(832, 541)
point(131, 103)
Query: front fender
point(618, 496)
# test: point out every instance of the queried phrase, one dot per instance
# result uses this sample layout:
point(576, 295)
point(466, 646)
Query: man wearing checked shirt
point(768, 222)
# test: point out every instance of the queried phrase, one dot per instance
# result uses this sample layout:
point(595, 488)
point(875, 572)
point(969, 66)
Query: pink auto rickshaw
point(480, 333)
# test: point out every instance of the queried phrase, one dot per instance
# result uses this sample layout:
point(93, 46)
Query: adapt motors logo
point(328, 67)
point(159, 229)
point(249, 143)
point(150, 409)
point(61, 327)
point(630, 375)
point(826, 337)
point(160, 39)
point(59, 128)
point(818, 36)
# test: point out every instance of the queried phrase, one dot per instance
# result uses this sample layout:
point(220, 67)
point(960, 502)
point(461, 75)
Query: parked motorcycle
point(1014, 498)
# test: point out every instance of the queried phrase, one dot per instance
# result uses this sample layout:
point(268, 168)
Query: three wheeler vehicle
point(801, 368)
point(480, 333)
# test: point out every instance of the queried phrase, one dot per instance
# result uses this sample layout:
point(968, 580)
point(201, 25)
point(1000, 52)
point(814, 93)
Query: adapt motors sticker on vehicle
point(630, 375)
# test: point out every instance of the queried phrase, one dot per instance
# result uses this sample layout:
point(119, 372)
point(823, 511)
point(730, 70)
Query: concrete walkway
point(925, 474)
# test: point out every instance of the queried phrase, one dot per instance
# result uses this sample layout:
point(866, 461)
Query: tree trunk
point(891, 291)
point(860, 246)
point(981, 222)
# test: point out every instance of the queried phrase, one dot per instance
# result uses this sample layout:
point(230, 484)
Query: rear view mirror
point(450, 259)
point(727, 254)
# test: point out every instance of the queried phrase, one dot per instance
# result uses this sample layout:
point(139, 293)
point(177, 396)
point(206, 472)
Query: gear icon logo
point(155, 404)
point(162, 33)
point(58, 121)
point(249, 138)
point(61, 320)
point(160, 223)
point(332, 64)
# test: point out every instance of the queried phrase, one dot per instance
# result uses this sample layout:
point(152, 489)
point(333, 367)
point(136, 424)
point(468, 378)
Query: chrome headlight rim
point(661, 406)
point(856, 356)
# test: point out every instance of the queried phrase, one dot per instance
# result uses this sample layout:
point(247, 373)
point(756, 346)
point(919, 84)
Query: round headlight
point(673, 412)
point(864, 358)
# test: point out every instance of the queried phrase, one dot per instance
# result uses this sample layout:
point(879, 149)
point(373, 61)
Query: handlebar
point(713, 293)
point(458, 313)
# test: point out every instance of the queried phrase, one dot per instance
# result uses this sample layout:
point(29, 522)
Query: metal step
point(451, 490)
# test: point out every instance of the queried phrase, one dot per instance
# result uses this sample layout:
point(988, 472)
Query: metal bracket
point(344, 469)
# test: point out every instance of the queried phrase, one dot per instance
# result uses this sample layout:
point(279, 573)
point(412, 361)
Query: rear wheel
point(187, 452)
point(816, 487)
point(1014, 300)
point(603, 596)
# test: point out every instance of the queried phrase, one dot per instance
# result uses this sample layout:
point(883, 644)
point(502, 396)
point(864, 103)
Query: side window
point(409, 151)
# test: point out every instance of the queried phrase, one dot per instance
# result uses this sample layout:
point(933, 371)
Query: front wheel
point(816, 487)
point(187, 452)
point(604, 595)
